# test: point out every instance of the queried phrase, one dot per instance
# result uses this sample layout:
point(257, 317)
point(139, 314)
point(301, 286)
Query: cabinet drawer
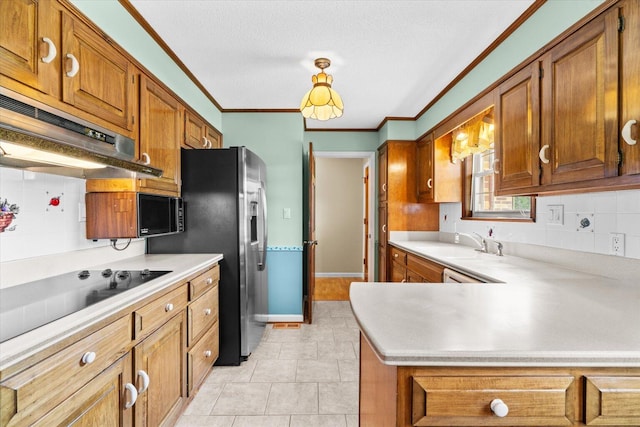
point(204, 282)
point(466, 400)
point(201, 314)
point(612, 401)
point(30, 394)
point(151, 316)
point(398, 255)
point(202, 356)
point(430, 271)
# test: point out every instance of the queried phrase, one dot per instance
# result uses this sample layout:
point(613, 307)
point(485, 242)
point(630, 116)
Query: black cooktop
point(30, 305)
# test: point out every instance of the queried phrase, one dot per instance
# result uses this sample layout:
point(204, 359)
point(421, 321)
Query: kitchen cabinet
point(406, 396)
point(439, 180)
point(398, 206)
point(53, 56)
point(398, 265)
point(408, 267)
point(160, 136)
point(629, 63)
point(198, 133)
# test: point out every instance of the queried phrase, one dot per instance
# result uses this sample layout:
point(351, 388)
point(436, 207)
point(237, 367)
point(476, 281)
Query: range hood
point(39, 138)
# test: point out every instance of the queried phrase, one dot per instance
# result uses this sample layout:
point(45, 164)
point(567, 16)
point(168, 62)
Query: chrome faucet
point(500, 246)
point(481, 241)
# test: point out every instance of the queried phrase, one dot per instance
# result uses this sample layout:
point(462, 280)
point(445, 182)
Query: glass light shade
point(321, 102)
point(32, 154)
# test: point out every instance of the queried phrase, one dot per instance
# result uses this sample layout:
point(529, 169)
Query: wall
point(339, 217)
point(610, 212)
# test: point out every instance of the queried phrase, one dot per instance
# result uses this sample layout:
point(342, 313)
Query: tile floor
point(305, 377)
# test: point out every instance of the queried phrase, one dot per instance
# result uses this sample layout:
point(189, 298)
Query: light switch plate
point(556, 214)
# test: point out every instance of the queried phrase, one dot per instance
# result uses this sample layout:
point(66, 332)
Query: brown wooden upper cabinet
point(160, 136)
point(383, 183)
point(560, 120)
point(66, 62)
point(198, 134)
point(439, 180)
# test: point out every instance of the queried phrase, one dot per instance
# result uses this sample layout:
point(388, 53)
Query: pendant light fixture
point(322, 102)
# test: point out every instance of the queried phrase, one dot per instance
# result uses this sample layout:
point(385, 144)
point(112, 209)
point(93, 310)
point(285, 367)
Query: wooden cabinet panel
point(97, 78)
point(161, 355)
point(630, 84)
point(580, 105)
point(202, 356)
point(114, 215)
point(198, 134)
point(430, 271)
point(160, 135)
point(30, 394)
point(382, 173)
point(398, 255)
point(424, 158)
point(214, 138)
point(438, 179)
point(202, 283)
point(517, 131)
point(101, 402)
point(201, 314)
point(465, 401)
point(382, 242)
point(25, 24)
point(612, 401)
point(151, 316)
point(398, 272)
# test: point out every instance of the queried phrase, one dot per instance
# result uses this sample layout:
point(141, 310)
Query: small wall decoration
point(8, 212)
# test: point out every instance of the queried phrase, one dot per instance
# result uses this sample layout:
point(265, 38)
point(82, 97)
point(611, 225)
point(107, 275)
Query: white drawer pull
point(134, 395)
point(543, 155)
point(430, 183)
point(88, 357)
point(145, 381)
point(209, 280)
point(52, 51)
point(207, 354)
point(626, 133)
point(207, 311)
point(146, 159)
point(75, 65)
point(499, 408)
point(168, 307)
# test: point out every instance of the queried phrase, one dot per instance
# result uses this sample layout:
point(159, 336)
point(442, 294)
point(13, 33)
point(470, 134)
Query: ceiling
point(388, 58)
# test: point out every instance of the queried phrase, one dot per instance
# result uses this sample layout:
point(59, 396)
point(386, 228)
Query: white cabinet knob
point(626, 132)
point(133, 393)
point(395, 255)
point(209, 280)
point(207, 353)
point(88, 357)
point(145, 381)
point(543, 154)
point(499, 408)
point(75, 66)
point(207, 311)
point(146, 159)
point(168, 307)
point(52, 53)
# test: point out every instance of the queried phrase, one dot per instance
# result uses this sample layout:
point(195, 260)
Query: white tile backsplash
point(613, 212)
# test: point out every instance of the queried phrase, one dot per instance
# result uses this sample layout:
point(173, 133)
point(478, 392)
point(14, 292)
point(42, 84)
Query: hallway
point(302, 377)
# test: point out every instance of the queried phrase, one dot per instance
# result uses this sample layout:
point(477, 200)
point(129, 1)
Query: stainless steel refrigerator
point(224, 194)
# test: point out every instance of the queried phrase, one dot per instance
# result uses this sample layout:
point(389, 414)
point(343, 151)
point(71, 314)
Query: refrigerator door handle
point(262, 247)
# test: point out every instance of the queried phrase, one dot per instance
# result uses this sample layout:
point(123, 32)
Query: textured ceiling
point(389, 58)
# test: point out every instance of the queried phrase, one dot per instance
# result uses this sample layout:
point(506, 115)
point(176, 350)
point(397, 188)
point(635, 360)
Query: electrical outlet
point(616, 246)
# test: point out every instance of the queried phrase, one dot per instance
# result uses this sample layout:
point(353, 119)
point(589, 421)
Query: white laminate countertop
point(539, 315)
point(181, 266)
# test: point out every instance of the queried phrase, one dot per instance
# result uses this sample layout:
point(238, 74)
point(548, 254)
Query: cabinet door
point(517, 131)
point(425, 168)
point(162, 357)
point(382, 242)
point(25, 25)
point(630, 84)
point(160, 134)
point(580, 106)
point(382, 174)
point(398, 272)
point(194, 131)
point(101, 402)
point(214, 138)
point(96, 77)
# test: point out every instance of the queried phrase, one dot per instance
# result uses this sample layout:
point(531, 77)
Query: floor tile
point(262, 421)
point(242, 399)
point(320, 334)
point(336, 351)
point(352, 420)
point(228, 374)
point(203, 403)
point(205, 421)
point(317, 371)
point(268, 371)
point(346, 334)
point(318, 421)
point(299, 350)
point(349, 370)
point(284, 335)
point(266, 350)
point(338, 398)
point(332, 322)
point(293, 398)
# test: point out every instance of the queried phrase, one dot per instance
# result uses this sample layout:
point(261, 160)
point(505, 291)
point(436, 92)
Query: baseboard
point(272, 318)
point(358, 275)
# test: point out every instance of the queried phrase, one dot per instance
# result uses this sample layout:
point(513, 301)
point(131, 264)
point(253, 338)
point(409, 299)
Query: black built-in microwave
point(158, 215)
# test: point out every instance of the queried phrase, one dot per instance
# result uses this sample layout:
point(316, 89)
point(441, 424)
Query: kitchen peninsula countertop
point(181, 266)
point(539, 315)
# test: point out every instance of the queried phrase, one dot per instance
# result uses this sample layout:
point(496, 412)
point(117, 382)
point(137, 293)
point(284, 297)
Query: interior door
point(311, 241)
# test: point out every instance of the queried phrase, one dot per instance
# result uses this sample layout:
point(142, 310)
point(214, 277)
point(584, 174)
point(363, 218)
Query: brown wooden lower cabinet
point(407, 267)
point(408, 396)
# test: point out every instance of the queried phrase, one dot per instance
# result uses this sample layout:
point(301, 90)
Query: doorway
point(344, 222)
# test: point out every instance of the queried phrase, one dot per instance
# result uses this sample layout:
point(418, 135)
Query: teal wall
point(280, 139)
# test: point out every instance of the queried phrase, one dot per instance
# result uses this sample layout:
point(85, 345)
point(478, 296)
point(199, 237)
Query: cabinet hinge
point(621, 23)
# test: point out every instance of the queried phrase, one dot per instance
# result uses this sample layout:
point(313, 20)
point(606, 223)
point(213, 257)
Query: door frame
point(370, 161)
